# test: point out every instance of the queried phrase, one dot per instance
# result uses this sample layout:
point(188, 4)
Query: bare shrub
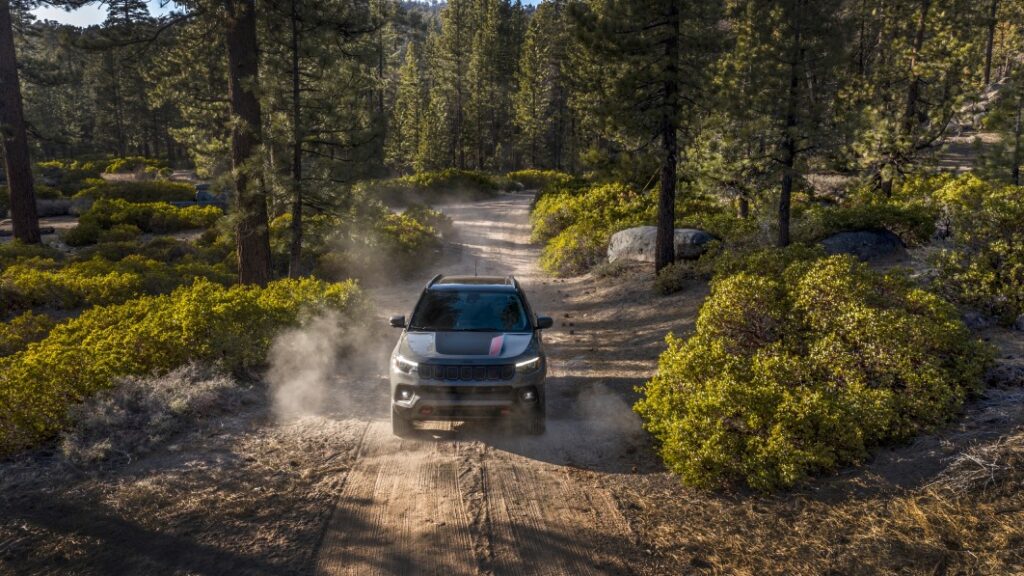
point(140, 413)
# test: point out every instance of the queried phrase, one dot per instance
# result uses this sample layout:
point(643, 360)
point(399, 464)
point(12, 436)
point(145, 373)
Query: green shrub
point(135, 191)
point(792, 374)
point(432, 187)
point(84, 233)
point(16, 251)
point(118, 220)
point(42, 283)
point(22, 330)
point(984, 268)
point(575, 250)
point(132, 164)
point(914, 222)
point(205, 322)
point(682, 274)
point(69, 176)
point(120, 233)
point(427, 216)
point(543, 179)
point(607, 208)
point(355, 244)
point(576, 224)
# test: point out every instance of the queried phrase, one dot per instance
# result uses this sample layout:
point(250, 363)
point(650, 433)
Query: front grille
point(476, 373)
point(465, 390)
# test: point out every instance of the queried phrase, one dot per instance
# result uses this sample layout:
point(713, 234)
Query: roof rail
point(434, 280)
point(511, 280)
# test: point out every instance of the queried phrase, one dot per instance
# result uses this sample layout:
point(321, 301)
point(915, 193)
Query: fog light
point(404, 394)
point(528, 395)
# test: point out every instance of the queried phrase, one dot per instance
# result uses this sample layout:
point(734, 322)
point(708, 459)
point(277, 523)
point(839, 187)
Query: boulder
point(976, 320)
point(1005, 375)
point(52, 207)
point(638, 244)
point(864, 244)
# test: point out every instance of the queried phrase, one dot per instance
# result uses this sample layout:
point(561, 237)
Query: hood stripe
point(496, 344)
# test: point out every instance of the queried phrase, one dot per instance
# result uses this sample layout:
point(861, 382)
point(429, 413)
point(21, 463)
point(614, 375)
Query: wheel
point(400, 426)
point(536, 422)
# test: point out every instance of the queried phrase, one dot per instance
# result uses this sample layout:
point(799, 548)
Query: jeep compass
point(471, 350)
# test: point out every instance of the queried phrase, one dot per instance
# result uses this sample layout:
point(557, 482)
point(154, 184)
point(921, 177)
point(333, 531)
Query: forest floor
point(333, 492)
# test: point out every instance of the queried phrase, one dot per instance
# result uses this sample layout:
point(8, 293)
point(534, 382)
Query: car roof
point(473, 283)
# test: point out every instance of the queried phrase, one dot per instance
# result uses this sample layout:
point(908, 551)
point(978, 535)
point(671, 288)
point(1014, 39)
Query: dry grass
point(968, 520)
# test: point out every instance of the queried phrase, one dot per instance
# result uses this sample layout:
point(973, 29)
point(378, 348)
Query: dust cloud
point(329, 365)
point(302, 363)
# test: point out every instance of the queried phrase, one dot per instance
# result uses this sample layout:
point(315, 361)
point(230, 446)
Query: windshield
point(470, 311)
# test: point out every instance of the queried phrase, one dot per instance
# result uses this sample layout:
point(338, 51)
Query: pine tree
point(407, 114)
point(17, 165)
point(640, 66)
point(542, 113)
point(779, 81)
point(252, 233)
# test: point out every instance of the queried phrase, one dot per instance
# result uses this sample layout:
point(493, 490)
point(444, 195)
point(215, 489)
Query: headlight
point(404, 365)
point(530, 365)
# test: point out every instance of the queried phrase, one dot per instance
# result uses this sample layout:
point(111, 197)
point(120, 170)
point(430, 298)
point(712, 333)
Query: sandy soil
point(336, 493)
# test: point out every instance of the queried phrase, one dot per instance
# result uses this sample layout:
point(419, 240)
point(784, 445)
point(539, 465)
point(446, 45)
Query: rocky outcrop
point(638, 244)
point(864, 244)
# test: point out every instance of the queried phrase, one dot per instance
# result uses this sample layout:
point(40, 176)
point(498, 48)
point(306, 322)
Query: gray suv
point(470, 351)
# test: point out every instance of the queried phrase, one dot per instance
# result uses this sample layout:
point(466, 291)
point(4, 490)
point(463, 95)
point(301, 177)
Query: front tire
point(401, 427)
point(536, 422)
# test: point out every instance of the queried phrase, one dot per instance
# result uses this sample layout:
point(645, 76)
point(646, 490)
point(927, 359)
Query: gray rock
point(976, 320)
point(1005, 375)
point(638, 244)
point(864, 244)
point(1019, 323)
point(52, 207)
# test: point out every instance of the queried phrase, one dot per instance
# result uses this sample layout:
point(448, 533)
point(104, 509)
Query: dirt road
point(331, 491)
point(472, 499)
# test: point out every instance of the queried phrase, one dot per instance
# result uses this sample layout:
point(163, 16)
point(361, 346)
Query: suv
point(470, 351)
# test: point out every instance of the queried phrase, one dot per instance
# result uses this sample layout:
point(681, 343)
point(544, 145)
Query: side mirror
point(544, 322)
point(397, 321)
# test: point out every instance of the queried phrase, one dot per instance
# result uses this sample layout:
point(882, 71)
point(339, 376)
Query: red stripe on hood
point(496, 343)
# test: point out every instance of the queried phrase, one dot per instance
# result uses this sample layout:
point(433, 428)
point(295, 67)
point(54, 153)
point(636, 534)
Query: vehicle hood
point(476, 345)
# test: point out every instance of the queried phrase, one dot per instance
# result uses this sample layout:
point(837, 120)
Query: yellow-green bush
point(356, 244)
point(800, 372)
point(577, 225)
point(140, 191)
point(16, 251)
point(984, 267)
point(116, 220)
point(914, 222)
point(22, 330)
point(543, 179)
point(131, 164)
point(43, 283)
point(450, 184)
point(69, 176)
point(205, 322)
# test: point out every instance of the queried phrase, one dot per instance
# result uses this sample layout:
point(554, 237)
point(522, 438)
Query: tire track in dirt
point(474, 498)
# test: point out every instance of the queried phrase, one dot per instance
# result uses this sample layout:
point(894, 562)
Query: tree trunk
point(665, 240)
point(15, 140)
point(253, 239)
point(914, 89)
point(789, 143)
point(295, 250)
point(1016, 139)
point(990, 40)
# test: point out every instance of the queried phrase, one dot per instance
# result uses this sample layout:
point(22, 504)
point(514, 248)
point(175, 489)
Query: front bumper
point(417, 398)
